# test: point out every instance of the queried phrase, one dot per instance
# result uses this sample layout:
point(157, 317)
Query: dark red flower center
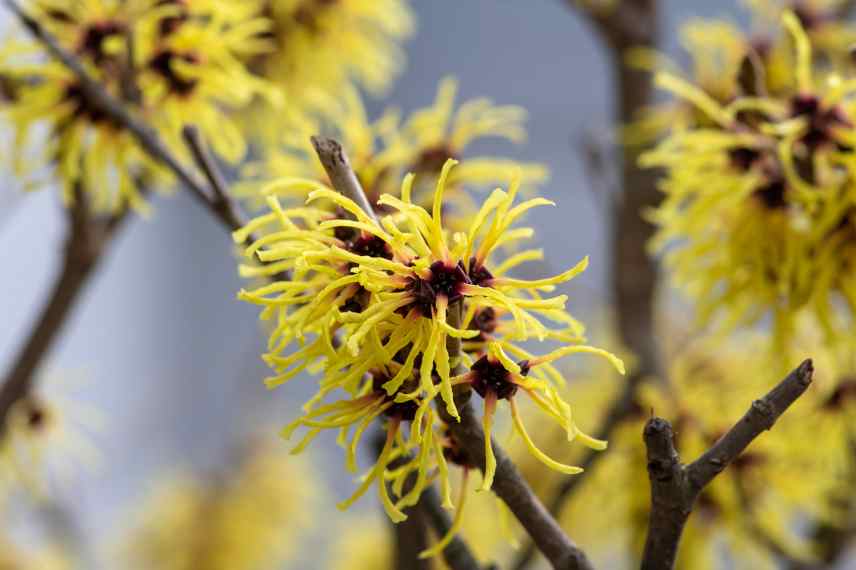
point(370, 245)
point(491, 376)
point(405, 411)
point(821, 121)
point(444, 280)
point(162, 63)
point(479, 274)
point(92, 42)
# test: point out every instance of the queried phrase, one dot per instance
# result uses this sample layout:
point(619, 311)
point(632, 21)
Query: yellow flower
point(726, 62)
point(374, 304)
point(232, 522)
point(362, 545)
point(756, 219)
point(825, 21)
point(166, 61)
point(384, 150)
point(717, 51)
point(47, 441)
point(190, 70)
point(328, 44)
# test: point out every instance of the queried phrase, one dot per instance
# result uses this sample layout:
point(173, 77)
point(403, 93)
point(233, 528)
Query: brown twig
point(221, 201)
point(675, 487)
point(86, 240)
point(342, 176)
point(633, 273)
point(410, 536)
point(510, 486)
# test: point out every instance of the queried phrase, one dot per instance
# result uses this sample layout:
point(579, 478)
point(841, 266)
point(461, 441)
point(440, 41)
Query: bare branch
point(227, 209)
point(675, 487)
point(457, 554)
point(86, 241)
point(627, 23)
point(335, 161)
point(510, 486)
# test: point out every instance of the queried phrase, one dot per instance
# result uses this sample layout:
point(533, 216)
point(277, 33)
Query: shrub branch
point(675, 487)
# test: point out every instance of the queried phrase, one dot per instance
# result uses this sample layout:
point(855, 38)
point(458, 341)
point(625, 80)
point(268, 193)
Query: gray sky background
point(167, 352)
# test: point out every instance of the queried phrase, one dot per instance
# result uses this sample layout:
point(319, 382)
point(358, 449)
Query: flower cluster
point(725, 62)
point(397, 313)
point(384, 150)
point(757, 219)
point(216, 65)
point(233, 521)
point(171, 62)
point(327, 46)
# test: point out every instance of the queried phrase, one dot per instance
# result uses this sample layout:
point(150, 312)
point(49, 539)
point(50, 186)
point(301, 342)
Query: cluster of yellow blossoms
point(384, 150)
point(171, 62)
point(176, 62)
point(397, 313)
point(758, 216)
point(235, 520)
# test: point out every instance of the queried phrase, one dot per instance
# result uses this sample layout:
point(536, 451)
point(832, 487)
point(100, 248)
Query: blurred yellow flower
point(171, 62)
point(757, 218)
point(252, 518)
point(327, 44)
point(47, 441)
point(384, 150)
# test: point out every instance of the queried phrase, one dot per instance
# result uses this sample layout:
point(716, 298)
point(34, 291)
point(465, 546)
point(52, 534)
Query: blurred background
point(162, 350)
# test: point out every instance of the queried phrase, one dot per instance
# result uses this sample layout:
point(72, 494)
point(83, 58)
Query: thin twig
point(342, 176)
point(510, 486)
point(86, 241)
point(675, 487)
point(222, 202)
point(410, 535)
